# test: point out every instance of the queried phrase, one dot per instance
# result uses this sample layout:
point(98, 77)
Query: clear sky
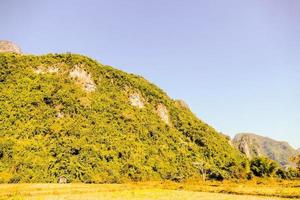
point(236, 63)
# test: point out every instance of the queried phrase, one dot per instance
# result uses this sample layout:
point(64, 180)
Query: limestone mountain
point(68, 115)
point(255, 146)
point(7, 46)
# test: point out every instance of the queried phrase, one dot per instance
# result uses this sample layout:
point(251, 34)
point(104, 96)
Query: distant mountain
point(253, 145)
point(7, 46)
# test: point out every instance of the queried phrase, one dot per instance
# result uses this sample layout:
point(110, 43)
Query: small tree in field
point(263, 167)
point(202, 166)
point(296, 160)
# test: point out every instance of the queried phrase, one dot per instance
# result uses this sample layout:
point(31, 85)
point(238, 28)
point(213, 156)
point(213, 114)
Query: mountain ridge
point(253, 145)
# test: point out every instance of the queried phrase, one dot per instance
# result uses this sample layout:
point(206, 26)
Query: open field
point(255, 190)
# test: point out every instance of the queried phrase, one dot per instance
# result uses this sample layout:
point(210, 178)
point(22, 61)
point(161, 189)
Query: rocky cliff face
point(255, 146)
point(6, 46)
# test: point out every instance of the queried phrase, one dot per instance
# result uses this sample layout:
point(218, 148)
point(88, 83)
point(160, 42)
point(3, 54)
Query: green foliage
point(296, 160)
point(283, 174)
point(293, 172)
point(264, 167)
point(51, 127)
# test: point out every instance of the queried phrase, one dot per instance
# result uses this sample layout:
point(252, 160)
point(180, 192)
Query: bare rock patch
point(83, 78)
point(7, 46)
point(163, 113)
point(44, 70)
point(136, 100)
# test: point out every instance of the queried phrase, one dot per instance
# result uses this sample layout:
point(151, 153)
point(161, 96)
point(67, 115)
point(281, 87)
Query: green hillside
point(68, 115)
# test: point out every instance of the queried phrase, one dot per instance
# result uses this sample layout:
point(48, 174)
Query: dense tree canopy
point(50, 126)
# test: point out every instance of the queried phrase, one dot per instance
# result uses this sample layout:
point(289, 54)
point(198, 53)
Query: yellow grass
point(262, 187)
point(245, 190)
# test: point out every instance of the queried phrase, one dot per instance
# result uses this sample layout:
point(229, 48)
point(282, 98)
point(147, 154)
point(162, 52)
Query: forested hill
point(68, 115)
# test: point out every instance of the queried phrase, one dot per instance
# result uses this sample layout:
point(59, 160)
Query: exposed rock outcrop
point(136, 100)
point(84, 78)
point(81, 76)
point(163, 113)
point(7, 46)
point(44, 70)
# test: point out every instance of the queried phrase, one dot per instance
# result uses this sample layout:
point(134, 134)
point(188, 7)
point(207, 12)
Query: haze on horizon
point(236, 63)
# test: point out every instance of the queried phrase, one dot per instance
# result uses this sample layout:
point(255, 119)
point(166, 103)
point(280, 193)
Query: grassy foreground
point(253, 190)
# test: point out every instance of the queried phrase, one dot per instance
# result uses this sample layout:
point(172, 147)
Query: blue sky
point(236, 63)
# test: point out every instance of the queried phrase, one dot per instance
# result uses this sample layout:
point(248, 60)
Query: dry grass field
point(248, 190)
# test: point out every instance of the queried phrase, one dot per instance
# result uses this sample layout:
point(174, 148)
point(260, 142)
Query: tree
point(202, 166)
point(263, 167)
point(296, 160)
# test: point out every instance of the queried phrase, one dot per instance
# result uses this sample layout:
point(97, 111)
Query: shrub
point(263, 167)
